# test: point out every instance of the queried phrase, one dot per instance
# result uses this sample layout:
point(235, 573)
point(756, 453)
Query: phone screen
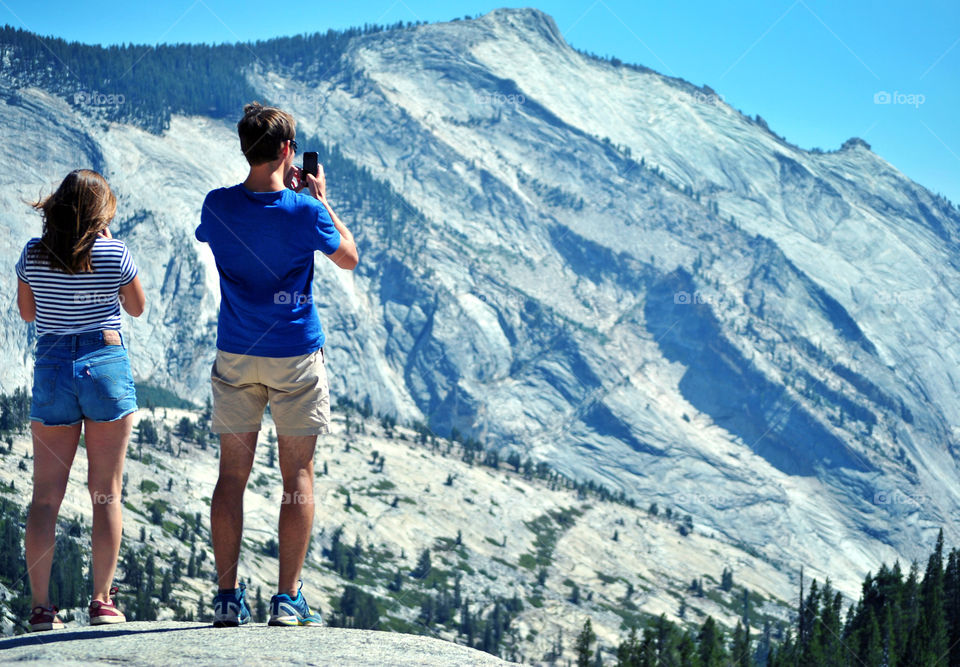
point(309, 165)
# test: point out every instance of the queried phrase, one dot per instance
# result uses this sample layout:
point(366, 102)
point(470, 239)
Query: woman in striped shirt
point(72, 282)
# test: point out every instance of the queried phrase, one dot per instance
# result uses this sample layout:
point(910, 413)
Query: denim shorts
point(79, 376)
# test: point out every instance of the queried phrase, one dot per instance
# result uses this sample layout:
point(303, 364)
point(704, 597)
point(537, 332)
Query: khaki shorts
point(295, 387)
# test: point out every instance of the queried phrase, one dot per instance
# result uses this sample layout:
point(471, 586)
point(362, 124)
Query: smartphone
point(309, 166)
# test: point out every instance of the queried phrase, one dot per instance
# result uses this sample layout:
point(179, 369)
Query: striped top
point(80, 302)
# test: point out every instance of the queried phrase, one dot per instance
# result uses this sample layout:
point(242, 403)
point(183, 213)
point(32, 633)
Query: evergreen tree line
point(898, 620)
point(489, 632)
point(357, 609)
point(365, 199)
point(440, 606)
point(149, 578)
point(14, 411)
point(473, 451)
point(663, 643)
point(70, 587)
point(343, 558)
point(144, 85)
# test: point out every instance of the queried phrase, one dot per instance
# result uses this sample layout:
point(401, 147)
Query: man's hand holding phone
point(317, 184)
point(310, 171)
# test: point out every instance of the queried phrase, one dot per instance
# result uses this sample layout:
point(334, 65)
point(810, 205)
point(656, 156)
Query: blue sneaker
point(288, 611)
point(230, 609)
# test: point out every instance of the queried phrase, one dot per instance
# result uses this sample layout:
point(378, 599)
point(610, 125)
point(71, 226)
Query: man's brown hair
point(73, 218)
point(262, 132)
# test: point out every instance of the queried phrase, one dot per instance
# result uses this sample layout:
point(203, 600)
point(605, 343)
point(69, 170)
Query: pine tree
point(664, 641)
point(710, 640)
point(726, 579)
point(166, 587)
point(741, 647)
point(811, 644)
point(67, 585)
point(584, 640)
point(423, 565)
point(467, 627)
point(951, 588)
point(762, 652)
point(629, 651)
point(833, 649)
point(931, 636)
point(687, 649)
point(428, 610)
point(150, 571)
point(872, 647)
point(260, 607)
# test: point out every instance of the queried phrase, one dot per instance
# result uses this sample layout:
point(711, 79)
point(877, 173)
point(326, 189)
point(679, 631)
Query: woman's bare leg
point(53, 450)
point(106, 449)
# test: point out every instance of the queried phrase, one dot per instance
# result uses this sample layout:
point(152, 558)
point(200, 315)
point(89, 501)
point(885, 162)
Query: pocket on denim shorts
point(45, 383)
point(112, 377)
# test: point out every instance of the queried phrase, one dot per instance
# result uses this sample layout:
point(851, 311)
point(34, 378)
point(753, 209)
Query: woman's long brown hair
point(73, 218)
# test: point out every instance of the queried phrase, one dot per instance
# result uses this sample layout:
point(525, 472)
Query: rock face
point(602, 266)
point(172, 643)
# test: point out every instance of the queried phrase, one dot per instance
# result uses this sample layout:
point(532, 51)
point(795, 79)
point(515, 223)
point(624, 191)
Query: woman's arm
point(132, 297)
point(25, 301)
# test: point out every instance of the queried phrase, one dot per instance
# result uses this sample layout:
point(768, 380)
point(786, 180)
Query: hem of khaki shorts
point(318, 430)
point(247, 428)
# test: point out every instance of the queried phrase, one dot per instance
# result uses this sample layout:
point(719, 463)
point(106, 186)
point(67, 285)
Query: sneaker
point(45, 618)
point(103, 613)
point(288, 611)
point(230, 609)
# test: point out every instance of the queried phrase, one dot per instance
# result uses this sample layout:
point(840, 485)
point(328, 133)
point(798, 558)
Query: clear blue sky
point(811, 68)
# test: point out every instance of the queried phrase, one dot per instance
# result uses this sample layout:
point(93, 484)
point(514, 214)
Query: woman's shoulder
point(28, 247)
point(109, 248)
point(104, 243)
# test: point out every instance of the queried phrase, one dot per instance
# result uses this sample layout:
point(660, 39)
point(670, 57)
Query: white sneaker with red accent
point(103, 613)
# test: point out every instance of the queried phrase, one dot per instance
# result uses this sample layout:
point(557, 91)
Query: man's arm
point(346, 256)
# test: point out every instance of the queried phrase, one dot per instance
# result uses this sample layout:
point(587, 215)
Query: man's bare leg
point(296, 512)
point(226, 506)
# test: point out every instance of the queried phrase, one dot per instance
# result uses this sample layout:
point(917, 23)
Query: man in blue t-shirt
point(263, 234)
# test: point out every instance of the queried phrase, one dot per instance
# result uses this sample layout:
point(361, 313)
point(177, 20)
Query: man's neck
point(265, 178)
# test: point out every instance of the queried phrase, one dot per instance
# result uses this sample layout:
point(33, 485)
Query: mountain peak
point(526, 20)
point(854, 142)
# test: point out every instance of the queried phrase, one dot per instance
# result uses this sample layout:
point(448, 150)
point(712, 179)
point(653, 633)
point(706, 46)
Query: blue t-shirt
point(263, 243)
